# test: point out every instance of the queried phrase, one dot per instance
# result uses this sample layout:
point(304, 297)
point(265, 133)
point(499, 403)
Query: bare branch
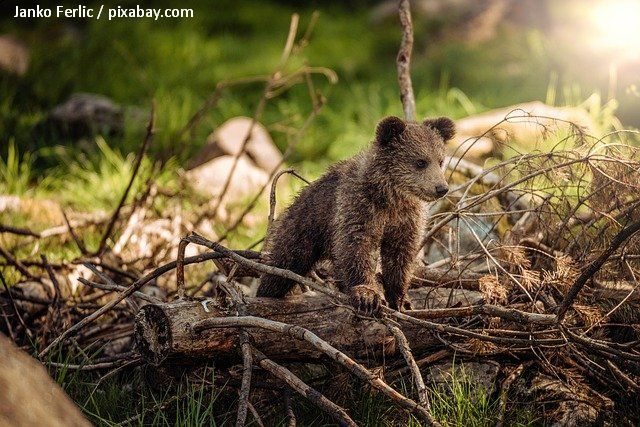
point(134, 172)
point(279, 371)
point(403, 62)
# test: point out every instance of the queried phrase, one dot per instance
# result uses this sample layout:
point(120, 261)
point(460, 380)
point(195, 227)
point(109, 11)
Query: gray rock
point(118, 346)
point(32, 290)
point(85, 114)
point(462, 240)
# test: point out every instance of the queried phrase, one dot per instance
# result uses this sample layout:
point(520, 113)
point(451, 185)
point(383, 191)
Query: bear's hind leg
point(296, 257)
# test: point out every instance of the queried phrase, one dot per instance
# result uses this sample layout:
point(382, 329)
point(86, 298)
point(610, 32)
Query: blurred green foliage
point(178, 63)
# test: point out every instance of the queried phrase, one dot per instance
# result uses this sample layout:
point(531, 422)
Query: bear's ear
point(388, 129)
point(444, 125)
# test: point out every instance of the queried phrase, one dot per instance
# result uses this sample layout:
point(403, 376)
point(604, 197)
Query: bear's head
point(412, 155)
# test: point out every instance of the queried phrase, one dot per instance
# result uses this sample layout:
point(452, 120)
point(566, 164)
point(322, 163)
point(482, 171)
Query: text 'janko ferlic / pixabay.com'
point(102, 12)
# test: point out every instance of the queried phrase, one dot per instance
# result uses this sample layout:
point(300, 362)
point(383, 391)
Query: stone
point(87, 114)
point(14, 55)
point(209, 178)
point(526, 132)
point(230, 136)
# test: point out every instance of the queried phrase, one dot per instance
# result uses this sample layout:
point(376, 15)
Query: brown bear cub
point(368, 206)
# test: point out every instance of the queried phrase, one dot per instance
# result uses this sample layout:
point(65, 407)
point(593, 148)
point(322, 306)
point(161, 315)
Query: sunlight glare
point(618, 25)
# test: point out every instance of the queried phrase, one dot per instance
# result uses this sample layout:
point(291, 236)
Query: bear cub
point(368, 207)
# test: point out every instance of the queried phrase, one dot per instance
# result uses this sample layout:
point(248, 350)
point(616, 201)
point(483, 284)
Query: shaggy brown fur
point(369, 205)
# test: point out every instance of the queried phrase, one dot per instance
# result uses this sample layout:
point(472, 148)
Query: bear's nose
point(441, 190)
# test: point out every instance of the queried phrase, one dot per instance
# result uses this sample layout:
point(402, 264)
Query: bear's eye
point(441, 163)
point(421, 164)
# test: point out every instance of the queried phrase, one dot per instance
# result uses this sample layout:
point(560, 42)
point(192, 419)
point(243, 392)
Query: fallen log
point(164, 332)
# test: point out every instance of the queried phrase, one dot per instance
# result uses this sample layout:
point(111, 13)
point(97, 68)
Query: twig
point(54, 281)
point(512, 314)
point(115, 370)
point(79, 243)
point(132, 304)
point(245, 388)
point(136, 166)
point(403, 344)
point(182, 246)
point(255, 414)
point(432, 358)
point(288, 408)
point(403, 61)
point(17, 264)
point(439, 327)
point(9, 327)
point(304, 41)
point(118, 288)
point(95, 366)
point(624, 378)
point(599, 346)
point(272, 194)
point(28, 298)
point(245, 346)
point(15, 307)
point(593, 268)
point(18, 231)
point(318, 399)
point(217, 247)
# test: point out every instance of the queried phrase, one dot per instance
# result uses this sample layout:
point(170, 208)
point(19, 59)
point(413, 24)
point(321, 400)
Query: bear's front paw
point(366, 299)
point(400, 304)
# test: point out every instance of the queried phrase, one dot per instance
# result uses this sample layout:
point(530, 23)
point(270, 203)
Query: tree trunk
point(164, 331)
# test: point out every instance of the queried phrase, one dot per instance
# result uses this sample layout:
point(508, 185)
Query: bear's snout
point(441, 190)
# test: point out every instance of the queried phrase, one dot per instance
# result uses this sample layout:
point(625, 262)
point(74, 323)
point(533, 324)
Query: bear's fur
point(372, 204)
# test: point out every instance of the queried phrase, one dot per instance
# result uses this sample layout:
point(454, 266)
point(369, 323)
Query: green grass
point(188, 404)
point(464, 402)
point(198, 401)
point(16, 172)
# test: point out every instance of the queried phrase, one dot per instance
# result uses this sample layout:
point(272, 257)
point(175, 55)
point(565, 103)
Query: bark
point(163, 332)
